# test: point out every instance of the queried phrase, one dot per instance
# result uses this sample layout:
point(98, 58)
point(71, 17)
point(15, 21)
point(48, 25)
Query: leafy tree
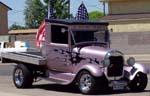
point(16, 27)
point(34, 13)
point(95, 15)
point(61, 8)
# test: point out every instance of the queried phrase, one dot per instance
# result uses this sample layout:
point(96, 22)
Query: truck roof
point(76, 22)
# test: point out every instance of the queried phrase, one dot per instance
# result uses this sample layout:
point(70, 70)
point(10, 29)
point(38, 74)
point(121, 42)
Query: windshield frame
point(106, 37)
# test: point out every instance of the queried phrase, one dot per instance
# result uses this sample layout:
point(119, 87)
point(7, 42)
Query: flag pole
point(104, 8)
point(69, 8)
point(48, 14)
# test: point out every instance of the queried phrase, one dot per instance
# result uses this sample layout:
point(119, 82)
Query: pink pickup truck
point(78, 52)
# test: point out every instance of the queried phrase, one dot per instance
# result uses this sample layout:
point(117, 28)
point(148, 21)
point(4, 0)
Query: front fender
point(130, 72)
point(94, 69)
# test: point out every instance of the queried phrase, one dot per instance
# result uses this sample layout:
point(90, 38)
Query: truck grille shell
point(116, 66)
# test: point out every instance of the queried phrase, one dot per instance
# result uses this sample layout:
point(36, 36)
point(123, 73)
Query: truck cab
point(65, 36)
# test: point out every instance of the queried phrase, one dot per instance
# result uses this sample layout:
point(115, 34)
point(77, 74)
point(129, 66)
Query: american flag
point(82, 13)
point(41, 32)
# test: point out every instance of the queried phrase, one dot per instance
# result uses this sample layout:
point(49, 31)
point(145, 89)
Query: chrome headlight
point(131, 61)
point(113, 53)
point(106, 62)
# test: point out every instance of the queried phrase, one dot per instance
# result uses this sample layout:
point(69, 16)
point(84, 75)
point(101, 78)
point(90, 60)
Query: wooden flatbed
point(24, 57)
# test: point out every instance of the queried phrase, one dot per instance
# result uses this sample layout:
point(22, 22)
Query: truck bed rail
point(25, 57)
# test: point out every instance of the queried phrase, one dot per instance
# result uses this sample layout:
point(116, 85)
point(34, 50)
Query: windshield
point(89, 36)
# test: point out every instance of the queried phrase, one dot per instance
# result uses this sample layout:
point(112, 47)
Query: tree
point(61, 7)
point(95, 15)
point(16, 27)
point(36, 11)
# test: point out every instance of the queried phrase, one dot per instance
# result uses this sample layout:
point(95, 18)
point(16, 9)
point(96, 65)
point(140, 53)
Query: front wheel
point(22, 76)
point(86, 82)
point(139, 83)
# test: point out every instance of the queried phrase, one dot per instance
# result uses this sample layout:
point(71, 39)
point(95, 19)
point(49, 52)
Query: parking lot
point(45, 88)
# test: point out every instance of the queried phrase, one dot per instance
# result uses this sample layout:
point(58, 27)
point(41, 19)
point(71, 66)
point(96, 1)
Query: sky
point(16, 15)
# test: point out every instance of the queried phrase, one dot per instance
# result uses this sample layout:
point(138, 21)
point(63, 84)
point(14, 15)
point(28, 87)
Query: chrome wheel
point(19, 77)
point(22, 76)
point(85, 82)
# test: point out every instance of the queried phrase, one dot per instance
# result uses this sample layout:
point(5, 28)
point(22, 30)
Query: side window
point(59, 34)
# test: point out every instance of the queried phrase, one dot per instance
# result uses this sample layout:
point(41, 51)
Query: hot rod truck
point(77, 52)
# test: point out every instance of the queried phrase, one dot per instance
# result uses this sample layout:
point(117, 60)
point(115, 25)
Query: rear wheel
point(139, 83)
point(22, 76)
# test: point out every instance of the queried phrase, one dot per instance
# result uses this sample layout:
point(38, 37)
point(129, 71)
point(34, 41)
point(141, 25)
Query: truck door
point(59, 55)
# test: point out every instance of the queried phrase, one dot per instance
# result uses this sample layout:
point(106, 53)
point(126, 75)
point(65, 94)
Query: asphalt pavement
point(46, 88)
point(6, 69)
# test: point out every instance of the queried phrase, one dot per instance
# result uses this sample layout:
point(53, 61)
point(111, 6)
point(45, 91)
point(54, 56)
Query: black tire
point(139, 83)
point(95, 83)
point(22, 76)
point(83, 85)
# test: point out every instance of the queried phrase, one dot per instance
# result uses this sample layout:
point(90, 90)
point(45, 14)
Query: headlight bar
point(131, 61)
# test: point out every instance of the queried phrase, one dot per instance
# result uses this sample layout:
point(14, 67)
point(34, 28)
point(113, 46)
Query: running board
point(60, 77)
point(52, 80)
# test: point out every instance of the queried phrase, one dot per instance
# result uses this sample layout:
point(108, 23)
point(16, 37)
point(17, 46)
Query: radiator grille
point(116, 66)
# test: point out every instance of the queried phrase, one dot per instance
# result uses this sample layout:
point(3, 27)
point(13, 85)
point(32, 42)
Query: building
point(129, 26)
point(4, 18)
point(27, 35)
point(128, 15)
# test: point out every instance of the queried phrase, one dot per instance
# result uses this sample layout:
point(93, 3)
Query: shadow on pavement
point(75, 90)
point(58, 88)
point(127, 91)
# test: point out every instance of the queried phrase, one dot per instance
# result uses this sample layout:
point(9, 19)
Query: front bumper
point(118, 84)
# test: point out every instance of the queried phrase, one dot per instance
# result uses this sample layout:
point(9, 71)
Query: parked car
point(18, 46)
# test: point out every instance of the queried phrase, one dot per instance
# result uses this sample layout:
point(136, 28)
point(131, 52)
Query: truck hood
point(91, 51)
